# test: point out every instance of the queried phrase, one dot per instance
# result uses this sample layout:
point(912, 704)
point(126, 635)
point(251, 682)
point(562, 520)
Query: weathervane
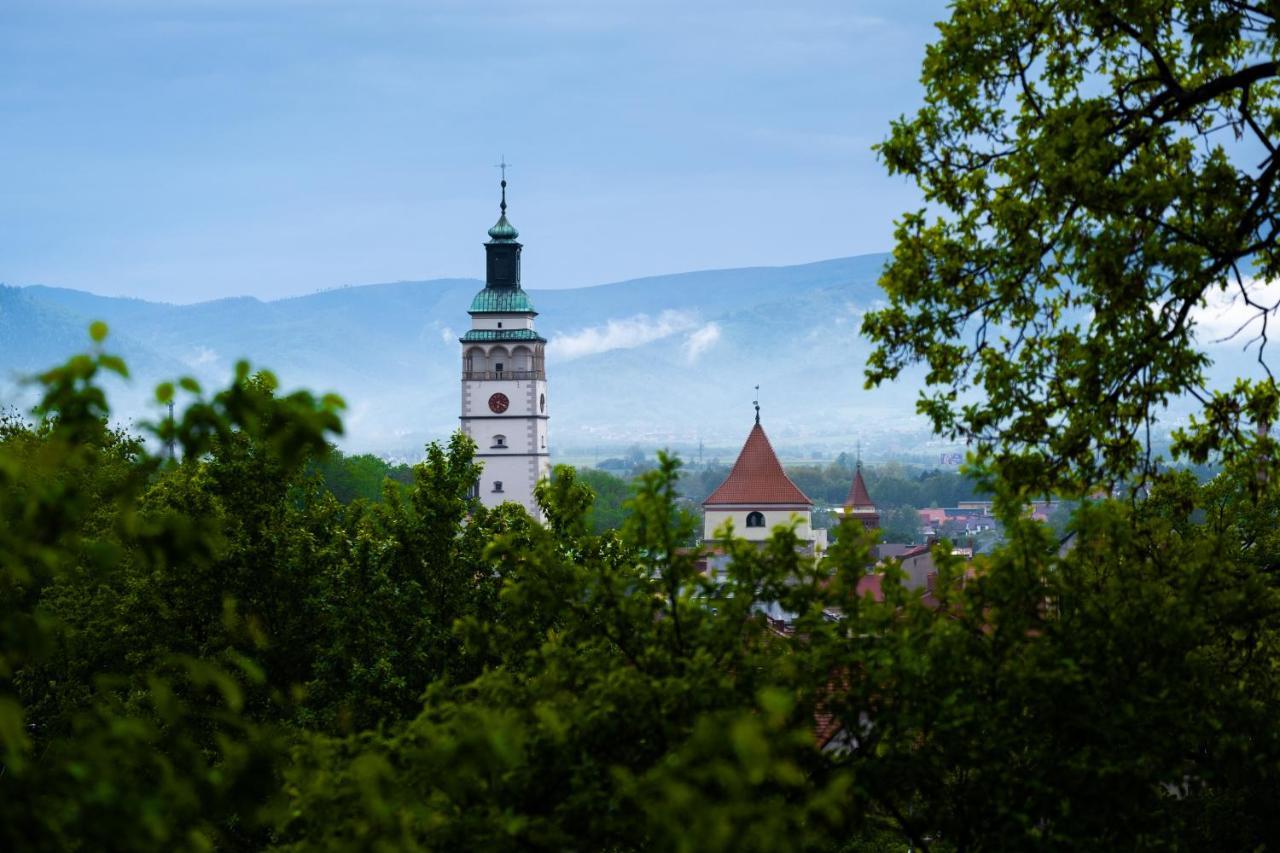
point(756, 402)
point(503, 165)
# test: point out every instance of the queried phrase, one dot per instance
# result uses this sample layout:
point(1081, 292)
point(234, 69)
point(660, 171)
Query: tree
point(389, 582)
point(1119, 695)
point(901, 524)
point(1093, 173)
point(359, 476)
point(150, 753)
point(626, 708)
point(170, 628)
point(219, 653)
point(607, 511)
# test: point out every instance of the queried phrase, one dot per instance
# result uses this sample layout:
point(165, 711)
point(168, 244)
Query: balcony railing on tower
point(504, 374)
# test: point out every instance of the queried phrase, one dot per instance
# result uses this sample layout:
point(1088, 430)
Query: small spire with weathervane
point(503, 231)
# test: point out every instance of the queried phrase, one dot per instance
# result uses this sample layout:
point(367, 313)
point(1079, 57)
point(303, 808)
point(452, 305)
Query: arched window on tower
point(499, 360)
point(499, 442)
point(755, 519)
point(473, 361)
point(522, 359)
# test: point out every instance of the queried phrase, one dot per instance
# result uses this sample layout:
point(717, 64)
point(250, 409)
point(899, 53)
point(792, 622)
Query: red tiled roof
point(858, 495)
point(871, 586)
point(757, 478)
point(825, 726)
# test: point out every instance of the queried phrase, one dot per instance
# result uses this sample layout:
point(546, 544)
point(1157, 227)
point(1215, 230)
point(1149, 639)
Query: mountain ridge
point(680, 353)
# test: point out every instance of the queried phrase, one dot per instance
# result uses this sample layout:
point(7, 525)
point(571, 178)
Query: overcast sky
point(184, 150)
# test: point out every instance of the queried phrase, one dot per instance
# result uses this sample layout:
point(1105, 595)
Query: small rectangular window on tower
point(497, 485)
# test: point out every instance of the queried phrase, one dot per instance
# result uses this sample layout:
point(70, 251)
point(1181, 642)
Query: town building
point(758, 495)
point(504, 380)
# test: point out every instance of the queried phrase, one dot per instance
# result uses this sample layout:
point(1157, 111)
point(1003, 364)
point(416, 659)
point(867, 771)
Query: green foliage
point(900, 524)
point(607, 511)
point(1092, 172)
point(218, 653)
point(389, 582)
point(361, 476)
point(162, 754)
point(628, 679)
point(892, 484)
point(1078, 700)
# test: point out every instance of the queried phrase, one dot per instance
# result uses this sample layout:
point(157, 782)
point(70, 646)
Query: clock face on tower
point(498, 403)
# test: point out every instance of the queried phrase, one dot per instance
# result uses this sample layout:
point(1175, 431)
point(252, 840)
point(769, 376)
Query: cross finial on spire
point(756, 402)
point(859, 454)
point(503, 164)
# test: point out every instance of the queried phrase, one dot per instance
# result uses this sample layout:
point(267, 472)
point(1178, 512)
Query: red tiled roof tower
point(858, 496)
point(858, 504)
point(757, 478)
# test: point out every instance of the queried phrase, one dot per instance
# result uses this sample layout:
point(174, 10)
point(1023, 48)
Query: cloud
point(447, 335)
point(700, 341)
point(627, 333)
point(1227, 319)
point(201, 357)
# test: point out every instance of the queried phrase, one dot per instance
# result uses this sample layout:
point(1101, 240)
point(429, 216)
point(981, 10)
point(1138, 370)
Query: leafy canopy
point(1093, 172)
point(218, 653)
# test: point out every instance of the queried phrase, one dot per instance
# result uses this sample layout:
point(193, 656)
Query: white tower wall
point(512, 445)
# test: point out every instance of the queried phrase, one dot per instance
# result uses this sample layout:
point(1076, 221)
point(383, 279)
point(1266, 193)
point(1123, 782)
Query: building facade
point(758, 495)
point(504, 380)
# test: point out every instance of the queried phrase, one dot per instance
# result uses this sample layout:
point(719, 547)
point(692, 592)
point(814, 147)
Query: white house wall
point(714, 519)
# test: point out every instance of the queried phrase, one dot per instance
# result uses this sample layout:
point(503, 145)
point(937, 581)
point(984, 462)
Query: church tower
point(858, 505)
point(504, 381)
point(758, 494)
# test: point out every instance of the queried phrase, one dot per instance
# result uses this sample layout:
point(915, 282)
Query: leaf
point(776, 702)
point(13, 735)
point(115, 364)
point(751, 747)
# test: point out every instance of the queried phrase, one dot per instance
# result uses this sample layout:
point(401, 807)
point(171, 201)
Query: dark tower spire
point(757, 405)
point(503, 267)
point(503, 164)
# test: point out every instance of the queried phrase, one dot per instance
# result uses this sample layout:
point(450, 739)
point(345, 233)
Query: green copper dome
point(503, 231)
point(489, 335)
point(501, 300)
